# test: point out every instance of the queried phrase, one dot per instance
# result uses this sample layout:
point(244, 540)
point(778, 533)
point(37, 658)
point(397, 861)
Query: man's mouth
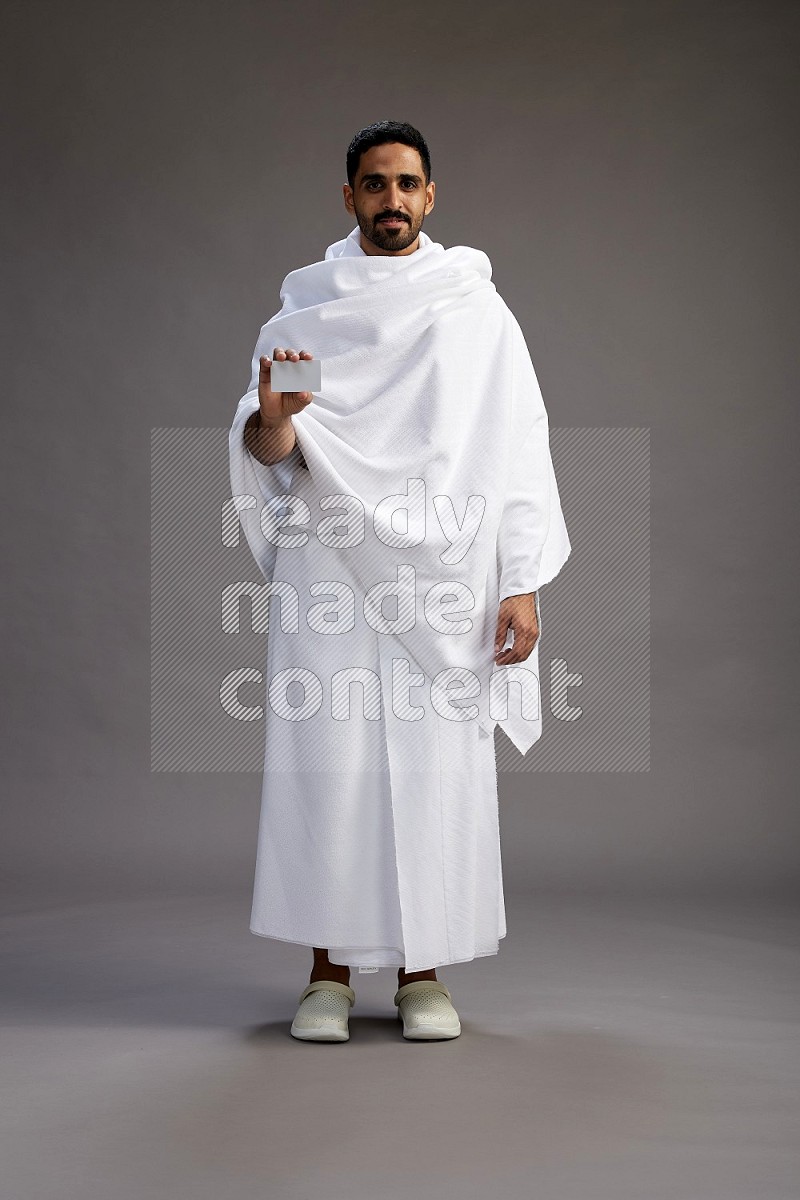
point(391, 221)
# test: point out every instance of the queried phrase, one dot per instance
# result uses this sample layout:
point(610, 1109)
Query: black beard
point(388, 240)
point(392, 239)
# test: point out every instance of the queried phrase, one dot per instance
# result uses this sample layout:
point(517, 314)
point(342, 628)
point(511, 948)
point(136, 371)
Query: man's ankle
point(323, 968)
point(336, 973)
point(412, 976)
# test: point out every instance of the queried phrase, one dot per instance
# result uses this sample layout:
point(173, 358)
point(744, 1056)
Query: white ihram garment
point(379, 836)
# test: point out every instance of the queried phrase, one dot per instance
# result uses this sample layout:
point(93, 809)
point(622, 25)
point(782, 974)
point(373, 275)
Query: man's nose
point(395, 200)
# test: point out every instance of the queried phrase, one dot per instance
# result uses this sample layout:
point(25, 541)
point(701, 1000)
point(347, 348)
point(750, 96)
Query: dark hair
point(386, 131)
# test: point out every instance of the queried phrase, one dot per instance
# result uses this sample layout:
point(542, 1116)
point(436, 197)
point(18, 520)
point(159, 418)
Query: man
point(379, 837)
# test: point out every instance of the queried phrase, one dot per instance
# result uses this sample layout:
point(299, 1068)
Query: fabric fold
point(431, 420)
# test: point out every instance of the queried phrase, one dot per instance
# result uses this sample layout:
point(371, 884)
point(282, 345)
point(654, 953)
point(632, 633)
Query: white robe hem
point(398, 961)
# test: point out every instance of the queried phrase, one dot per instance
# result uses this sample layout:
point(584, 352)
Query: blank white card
point(302, 376)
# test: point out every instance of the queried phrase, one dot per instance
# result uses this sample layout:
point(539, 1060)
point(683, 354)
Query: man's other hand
point(517, 613)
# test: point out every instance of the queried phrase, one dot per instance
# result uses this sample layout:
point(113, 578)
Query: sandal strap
point(418, 985)
point(329, 985)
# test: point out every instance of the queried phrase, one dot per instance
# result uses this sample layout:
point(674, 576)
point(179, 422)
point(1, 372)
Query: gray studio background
point(629, 171)
point(630, 168)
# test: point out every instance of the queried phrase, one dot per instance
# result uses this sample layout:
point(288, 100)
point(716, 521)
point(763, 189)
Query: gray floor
point(627, 1048)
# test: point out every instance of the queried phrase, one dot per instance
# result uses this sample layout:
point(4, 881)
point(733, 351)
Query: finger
point(515, 654)
point(292, 354)
point(306, 354)
point(501, 631)
point(277, 352)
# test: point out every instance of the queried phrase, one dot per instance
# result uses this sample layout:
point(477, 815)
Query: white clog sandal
point(323, 1012)
point(425, 1009)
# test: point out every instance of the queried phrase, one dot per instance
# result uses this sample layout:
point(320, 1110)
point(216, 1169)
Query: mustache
point(391, 217)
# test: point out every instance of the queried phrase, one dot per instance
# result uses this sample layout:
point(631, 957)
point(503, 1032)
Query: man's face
point(390, 182)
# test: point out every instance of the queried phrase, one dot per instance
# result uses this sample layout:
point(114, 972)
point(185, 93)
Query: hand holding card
point(285, 385)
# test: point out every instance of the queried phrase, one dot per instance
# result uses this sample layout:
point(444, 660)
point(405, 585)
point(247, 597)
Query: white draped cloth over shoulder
point(420, 494)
